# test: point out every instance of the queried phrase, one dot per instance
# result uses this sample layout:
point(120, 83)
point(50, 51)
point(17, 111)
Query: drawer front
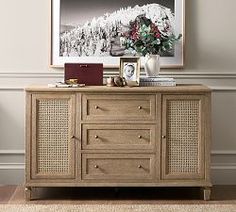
point(118, 136)
point(118, 167)
point(118, 107)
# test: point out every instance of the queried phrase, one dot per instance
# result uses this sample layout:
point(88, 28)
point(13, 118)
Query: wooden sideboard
point(101, 136)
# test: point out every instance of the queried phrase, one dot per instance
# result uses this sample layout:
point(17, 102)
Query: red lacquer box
point(86, 73)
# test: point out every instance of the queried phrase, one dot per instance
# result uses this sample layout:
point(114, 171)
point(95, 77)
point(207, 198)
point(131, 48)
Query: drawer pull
point(96, 107)
point(96, 166)
point(73, 137)
point(139, 136)
point(140, 107)
point(96, 136)
point(139, 166)
point(163, 136)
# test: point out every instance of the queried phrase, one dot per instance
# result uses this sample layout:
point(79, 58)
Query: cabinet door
point(183, 137)
point(52, 153)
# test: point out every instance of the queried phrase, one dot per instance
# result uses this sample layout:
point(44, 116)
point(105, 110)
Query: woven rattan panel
point(183, 136)
point(52, 136)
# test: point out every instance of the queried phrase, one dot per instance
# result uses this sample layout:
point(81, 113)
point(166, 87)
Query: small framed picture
point(130, 69)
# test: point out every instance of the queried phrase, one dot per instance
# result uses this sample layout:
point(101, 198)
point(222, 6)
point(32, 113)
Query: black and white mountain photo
point(99, 27)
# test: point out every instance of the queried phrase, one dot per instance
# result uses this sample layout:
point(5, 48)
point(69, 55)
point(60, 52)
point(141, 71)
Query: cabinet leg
point(28, 193)
point(206, 193)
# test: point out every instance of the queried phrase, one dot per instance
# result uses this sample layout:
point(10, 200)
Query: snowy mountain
point(102, 35)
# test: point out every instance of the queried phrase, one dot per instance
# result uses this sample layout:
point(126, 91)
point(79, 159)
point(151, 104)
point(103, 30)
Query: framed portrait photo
point(130, 70)
point(100, 31)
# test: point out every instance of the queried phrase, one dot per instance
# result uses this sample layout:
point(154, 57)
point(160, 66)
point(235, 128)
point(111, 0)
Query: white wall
point(210, 59)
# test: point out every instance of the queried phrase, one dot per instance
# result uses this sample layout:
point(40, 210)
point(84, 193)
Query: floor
point(15, 195)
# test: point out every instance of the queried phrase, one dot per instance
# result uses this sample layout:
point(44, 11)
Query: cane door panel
point(183, 137)
point(52, 143)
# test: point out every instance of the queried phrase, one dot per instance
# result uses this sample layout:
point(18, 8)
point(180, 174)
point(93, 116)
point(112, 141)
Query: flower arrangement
point(145, 37)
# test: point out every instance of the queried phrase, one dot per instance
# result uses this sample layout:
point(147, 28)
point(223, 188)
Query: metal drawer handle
point(163, 136)
point(140, 107)
point(96, 136)
point(73, 137)
point(139, 166)
point(96, 107)
point(139, 136)
point(96, 166)
point(85, 66)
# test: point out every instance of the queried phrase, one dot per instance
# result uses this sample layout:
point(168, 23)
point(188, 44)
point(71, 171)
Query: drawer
point(118, 107)
point(118, 167)
point(126, 136)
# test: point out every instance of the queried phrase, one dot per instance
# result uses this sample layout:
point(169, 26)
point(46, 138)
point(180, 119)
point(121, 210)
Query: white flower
point(165, 27)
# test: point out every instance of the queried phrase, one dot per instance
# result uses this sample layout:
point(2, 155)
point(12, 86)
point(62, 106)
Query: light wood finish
point(28, 136)
point(152, 136)
point(28, 193)
point(207, 193)
point(118, 167)
point(183, 137)
point(53, 138)
point(208, 138)
point(186, 88)
point(118, 107)
point(126, 136)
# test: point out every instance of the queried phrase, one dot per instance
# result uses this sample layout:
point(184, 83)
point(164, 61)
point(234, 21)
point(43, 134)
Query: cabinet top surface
point(193, 88)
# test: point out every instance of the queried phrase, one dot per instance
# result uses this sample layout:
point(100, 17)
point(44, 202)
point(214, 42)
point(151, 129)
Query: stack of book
point(157, 81)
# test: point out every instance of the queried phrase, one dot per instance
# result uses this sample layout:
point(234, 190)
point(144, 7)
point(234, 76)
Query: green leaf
point(157, 42)
point(180, 36)
point(138, 43)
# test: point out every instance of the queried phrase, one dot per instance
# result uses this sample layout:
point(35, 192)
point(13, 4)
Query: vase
point(152, 65)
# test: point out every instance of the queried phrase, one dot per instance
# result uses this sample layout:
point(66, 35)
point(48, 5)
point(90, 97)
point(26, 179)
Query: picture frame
point(57, 59)
point(130, 70)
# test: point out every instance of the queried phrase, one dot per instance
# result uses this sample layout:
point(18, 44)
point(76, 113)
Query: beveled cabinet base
point(118, 137)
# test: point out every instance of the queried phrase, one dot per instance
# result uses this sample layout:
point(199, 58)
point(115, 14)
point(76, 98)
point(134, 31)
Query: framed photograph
point(100, 30)
point(130, 69)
